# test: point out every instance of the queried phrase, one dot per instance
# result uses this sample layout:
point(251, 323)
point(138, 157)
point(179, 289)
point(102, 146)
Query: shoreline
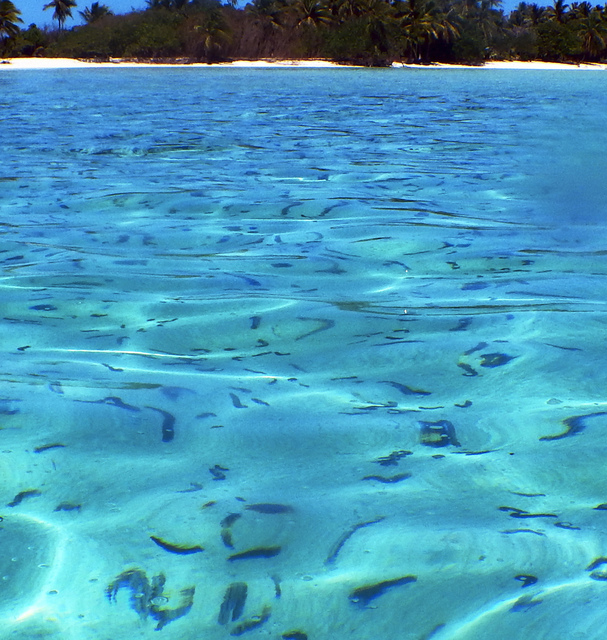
point(70, 63)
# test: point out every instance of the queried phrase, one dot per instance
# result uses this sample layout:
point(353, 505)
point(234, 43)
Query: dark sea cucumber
point(176, 548)
point(346, 536)
point(252, 623)
point(47, 447)
point(362, 596)
point(269, 508)
point(28, 493)
point(256, 552)
point(574, 425)
point(168, 424)
point(233, 602)
point(399, 477)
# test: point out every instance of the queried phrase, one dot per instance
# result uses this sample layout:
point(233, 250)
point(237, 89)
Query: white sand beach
point(69, 63)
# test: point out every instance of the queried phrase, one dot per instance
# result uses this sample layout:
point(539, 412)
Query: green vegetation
point(9, 17)
point(369, 32)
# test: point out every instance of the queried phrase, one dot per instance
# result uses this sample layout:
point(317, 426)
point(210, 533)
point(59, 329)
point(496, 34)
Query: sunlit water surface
point(303, 354)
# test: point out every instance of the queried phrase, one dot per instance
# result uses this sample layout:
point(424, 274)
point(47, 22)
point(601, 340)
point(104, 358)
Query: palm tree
point(96, 11)
point(558, 11)
point(593, 31)
point(212, 35)
point(580, 10)
point(422, 22)
point(9, 16)
point(63, 10)
point(311, 13)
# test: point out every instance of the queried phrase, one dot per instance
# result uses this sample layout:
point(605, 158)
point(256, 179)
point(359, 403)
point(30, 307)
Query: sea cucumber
point(28, 493)
point(233, 602)
point(266, 507)
point(252, 623)
point(393, 458)
point(574, 425)
point(256, 552)
point(363, 595)
point(176, 548)
point(168, 424)
point(346, 536)
point(405, 390)
point(389, 479)
point(46, 447)
point(164, 616)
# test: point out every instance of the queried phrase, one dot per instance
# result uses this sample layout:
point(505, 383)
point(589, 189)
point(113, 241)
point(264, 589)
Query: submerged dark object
point(438, 434)
point(595, 564)
point(470, 372)
point(389, 479)
point(269, 508)
point(20, 497)
point(393, 458)
point(233, 602)
point(68, 506)
point(491, 360)
point(164, 616)
point(362, 596)
point(524, 603)
point(574, 425)
point(526, 580)
point(146, 597)
point(47, 447)
point(218, 472)
point(294, 635)
point(255, 552)
point(346, 536)
point(168, 424)
point(406, 390)
point(175, 548)
point(252, 623)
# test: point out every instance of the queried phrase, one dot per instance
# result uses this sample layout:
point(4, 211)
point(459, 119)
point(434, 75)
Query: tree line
point(367, 32)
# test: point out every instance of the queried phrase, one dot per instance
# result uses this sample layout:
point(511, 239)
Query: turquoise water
point(303, 353)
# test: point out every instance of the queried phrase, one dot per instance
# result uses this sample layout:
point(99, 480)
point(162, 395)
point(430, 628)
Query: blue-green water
point(344, 330)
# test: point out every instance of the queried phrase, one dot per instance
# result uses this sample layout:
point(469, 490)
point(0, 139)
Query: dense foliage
point(370, 32)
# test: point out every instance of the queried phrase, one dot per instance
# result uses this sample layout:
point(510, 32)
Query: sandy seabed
point(69, 63)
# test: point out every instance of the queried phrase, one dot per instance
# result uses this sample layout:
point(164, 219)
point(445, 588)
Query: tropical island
point(360, 32)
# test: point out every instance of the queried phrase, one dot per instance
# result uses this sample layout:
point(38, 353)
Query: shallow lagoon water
point(338, 335)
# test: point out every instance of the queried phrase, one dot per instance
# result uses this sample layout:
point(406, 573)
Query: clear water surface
point(303, 353)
